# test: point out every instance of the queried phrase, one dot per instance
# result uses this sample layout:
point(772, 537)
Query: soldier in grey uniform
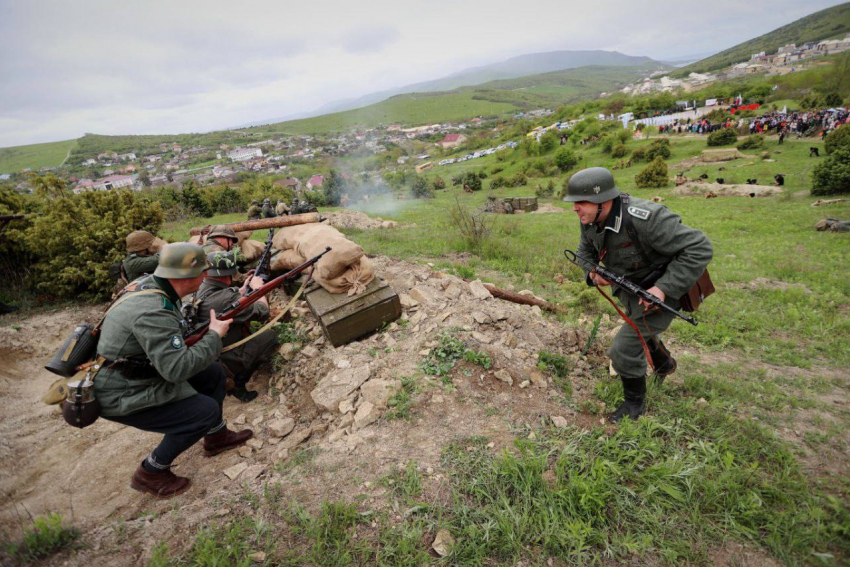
point(220, 239)
point(254, 211)
point(670, 253)
point(216, 294)
point(152, 381)
point(268, 210)
point(140, 260)
point(281, 209)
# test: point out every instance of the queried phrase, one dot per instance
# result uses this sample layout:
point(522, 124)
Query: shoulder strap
point(125, 296)
point(625, 199)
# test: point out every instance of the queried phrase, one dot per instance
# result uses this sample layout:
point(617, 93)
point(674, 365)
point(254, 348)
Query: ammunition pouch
point(697, 294)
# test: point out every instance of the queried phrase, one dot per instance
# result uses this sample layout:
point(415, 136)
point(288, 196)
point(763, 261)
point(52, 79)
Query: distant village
point(779, 63)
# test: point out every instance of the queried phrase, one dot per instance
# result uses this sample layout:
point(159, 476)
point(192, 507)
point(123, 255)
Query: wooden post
point(274, 222)
point(521, 299)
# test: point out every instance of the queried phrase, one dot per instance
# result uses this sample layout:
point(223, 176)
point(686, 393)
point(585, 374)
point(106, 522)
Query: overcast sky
point(114, 67)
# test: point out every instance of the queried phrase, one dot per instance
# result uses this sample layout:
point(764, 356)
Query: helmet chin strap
point(598, 213)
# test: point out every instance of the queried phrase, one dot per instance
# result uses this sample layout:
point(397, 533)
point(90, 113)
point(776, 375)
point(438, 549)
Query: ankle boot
point(662, 360)
point(634, 405)
point(243, 394)
point(225, 439)
point(163, 484)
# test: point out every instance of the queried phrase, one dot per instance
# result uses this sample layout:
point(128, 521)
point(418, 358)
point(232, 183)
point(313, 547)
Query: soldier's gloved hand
point(217, 326)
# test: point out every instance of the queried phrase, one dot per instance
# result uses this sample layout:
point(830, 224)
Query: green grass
point(47, 536)
point(34, 156)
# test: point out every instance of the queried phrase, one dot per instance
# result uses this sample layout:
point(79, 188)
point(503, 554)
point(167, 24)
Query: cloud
point(193, 65)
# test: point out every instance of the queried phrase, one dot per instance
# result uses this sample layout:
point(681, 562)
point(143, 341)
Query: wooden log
point(521, 299)
point(274, 222)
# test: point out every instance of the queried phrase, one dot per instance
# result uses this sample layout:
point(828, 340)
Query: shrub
point(608, 144)
point(832, 175)
point(639, 154)
point(438, 183)
point(517, 180)
point(545, 190)
point(565, 159)
point(496, 170)
point(838, 138)
point(619, 151)
point(653, 175)
point(548, 142)
point(564, 187)
point(482, 174)
point(79, 237)
point(624, 136)
point(752, 143)
point(421, 189)
point(46, 536)
point(722, 137)
point(472, 226)
point(471, 180)
point(658, 148)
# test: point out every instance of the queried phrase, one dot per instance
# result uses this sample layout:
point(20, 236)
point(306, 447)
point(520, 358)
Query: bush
point(838, 138)
point(619, 151)
point(471, 180)
point(722, 137)
point(565, 159)
point(653, 175)
point(421, 189)
point(46, 536)
point(752, 143)
point(438, 183)
point(548, 142)
point(624, 136)
point(545, 190)
point(658, 148)
point(472, 226)
point(608, 144)
point(79, 237)
point(482, 174)
point(832, 175)
point(496, 170)
point(639, 154)
point(517, 180)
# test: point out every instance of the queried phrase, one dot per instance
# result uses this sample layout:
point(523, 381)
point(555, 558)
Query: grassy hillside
point(548, 90)
point(821, 25)
point(34, 156)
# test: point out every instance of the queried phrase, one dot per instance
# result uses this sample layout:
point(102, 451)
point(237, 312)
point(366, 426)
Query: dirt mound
point(702, 189)
point(331, 401)
point(547, 208)
point(356, 219)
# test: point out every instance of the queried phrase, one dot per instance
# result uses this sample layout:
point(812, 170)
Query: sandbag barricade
point(345, 269)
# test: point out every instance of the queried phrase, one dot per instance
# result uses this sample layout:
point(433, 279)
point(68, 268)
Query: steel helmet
point(139, 240)
point(594, 184)
point(223, 231)
point(181, 260)
point(221, 263)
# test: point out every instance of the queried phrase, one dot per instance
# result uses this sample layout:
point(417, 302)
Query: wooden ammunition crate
point(345, 318)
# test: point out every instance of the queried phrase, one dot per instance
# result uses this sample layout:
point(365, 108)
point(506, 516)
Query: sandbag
point(352, 281)
point(243, 236)
point(312, 239)
point(251, 250)
point(285, 260)
point(286, 237)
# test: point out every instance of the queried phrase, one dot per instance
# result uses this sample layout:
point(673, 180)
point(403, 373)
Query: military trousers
point(184, 422)
point(626, 352)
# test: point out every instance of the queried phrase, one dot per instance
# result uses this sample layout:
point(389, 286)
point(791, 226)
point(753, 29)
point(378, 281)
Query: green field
point(35, 156)
point(713, 464)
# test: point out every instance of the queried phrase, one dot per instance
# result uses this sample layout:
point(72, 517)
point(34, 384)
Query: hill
point(519, 66)
point(499, 97)
point(34, 156)
point(825, 24)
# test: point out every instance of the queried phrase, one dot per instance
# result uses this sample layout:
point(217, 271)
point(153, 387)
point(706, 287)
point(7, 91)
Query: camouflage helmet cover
point(222, 231)
point(139, 240)
point(181, 260)
point(594, 184)
point(221, 263)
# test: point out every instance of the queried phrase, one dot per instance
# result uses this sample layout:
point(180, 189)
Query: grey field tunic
point(151, 325)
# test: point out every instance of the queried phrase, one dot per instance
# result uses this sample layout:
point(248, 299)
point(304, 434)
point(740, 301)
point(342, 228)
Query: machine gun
point(247, 300)
point(626, 285)
point(264, 266)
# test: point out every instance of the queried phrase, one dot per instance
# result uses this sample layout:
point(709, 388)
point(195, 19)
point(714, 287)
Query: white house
point(104, 184)
point(127, 157)
point(244, 154)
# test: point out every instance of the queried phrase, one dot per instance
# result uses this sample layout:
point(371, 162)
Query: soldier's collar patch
point(177, 341)
point(642, 214)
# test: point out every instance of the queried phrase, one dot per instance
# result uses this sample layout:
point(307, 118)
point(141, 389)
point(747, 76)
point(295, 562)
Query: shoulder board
point(637, 212)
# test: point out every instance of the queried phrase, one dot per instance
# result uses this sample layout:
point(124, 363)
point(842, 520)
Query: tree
point(832, 175)
point(421, 189)
point(471, 180)
point(48, 186)
point(191, 199)
point(548, 142)
point(653, 175)
point(565, 159)
point(838, 138)
point(334, 187)
point(145, 178)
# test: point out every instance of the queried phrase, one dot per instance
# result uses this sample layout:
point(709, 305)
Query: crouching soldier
point(152, 381)
point(255, 211)
point(216, 294)
point(140, 260)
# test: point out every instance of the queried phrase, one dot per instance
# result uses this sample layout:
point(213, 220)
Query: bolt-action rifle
point(626, 285)
point(246, 301)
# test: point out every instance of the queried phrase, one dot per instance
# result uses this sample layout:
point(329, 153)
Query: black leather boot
point(240, 389)
point(634, 405)
point(662, 360)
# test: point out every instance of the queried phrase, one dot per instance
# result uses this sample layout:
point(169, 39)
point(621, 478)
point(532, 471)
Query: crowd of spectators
point(808, 123)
